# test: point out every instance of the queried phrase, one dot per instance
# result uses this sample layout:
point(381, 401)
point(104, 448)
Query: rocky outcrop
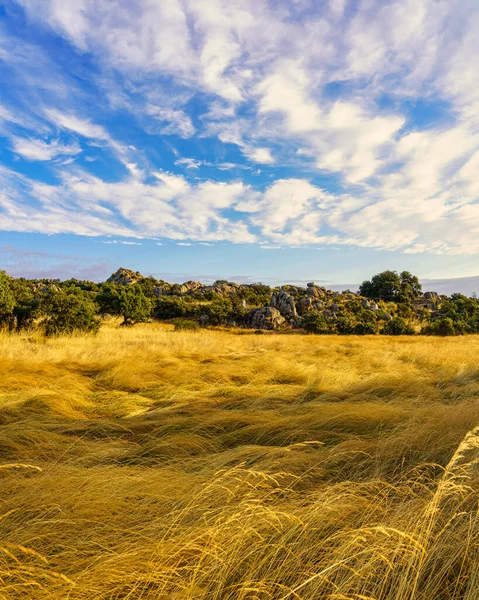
point(225, 288)
point(429, 300)
point(284, 302)
point(190, 286)
point(314, 291)
point(125, 277)
point(370, 305)
point(161, 290)
point(267, 318)
point(305, 305)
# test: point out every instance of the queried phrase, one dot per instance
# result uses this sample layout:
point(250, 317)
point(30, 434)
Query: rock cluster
point(267, 318)
point(286, 305)
point(125, 277)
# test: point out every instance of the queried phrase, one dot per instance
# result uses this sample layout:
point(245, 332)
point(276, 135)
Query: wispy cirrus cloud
point(32, 149)
point(361, 118)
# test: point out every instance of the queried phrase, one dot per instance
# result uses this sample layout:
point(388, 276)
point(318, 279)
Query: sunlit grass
point(153, 464)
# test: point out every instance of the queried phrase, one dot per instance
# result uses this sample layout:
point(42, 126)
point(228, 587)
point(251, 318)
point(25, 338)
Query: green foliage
point(171, 307)
point(66, 311)
point(148, 285)
point(219, 311)
point(366, 328)
point(443, 326)
point(133, 305)
point(256, 294)
point(391, 287)
point(7, 299)
point(345, 325)
point(128, 302)
point(87, 286)
point(398, 326)
point(186, 325)
point(27, 303)
point(315, 322)
point(458, 315)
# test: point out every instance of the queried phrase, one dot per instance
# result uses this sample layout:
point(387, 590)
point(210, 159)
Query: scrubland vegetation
point(158, 464)
point(390, 303)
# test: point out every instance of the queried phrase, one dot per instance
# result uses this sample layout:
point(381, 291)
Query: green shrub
point(170, 307)
point(7, 300)
point(397, 326)
point(185, 325)
point(68, 311)
point(366, 328)
point(443, 326)
point(315, 322)
point(219, 312)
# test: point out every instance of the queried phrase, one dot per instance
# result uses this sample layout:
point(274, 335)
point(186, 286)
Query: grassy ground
point(153, 464)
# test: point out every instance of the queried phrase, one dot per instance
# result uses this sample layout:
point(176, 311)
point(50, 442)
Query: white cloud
point(177, 122)
point(39, 150)
point(71, 122)
point(325, 83)
point(260, 155)
point(189, 163)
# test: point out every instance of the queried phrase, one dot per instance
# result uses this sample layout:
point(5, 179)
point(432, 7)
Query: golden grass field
point(153, 464)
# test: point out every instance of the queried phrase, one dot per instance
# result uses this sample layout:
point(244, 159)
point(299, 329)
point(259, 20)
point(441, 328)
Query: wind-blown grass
point(154, 464)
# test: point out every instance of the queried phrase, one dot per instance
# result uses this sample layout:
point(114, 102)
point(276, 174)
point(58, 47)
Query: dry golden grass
point(146, 463)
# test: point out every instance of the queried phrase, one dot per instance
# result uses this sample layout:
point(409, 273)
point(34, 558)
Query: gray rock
point(267, 318)
point(284, 303)
point(190, 286)
point(314, 291)
point(304, 305)
point(125, 277)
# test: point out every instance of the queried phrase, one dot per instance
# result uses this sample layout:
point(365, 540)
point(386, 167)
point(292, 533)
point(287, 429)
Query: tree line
point(64, 307)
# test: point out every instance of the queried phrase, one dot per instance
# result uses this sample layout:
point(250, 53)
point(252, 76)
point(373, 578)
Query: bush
point(7, 300)
point(219, 312)
point(443, 326)
point(68, 311)
point(345, 325)
point(185, 325)
point(366, 328)
point(128, 302)
point(398, 326)
point(315, 322)
point(170, 307)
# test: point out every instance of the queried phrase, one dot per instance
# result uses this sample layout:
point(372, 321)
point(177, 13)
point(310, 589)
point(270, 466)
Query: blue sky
point(280, 140)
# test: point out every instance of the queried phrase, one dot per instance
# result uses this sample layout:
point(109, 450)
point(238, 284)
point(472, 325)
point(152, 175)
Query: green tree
point(127, 301)
point(391, 287)
point(410, 288)
point(134, 306)
point(27, 303)
point(66, 311)
point(7, 300)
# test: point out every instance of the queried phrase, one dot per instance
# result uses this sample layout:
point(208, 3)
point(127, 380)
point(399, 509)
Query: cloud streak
point(350, 123)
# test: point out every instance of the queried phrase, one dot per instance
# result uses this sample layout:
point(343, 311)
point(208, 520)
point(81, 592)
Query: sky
point(253, 140)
